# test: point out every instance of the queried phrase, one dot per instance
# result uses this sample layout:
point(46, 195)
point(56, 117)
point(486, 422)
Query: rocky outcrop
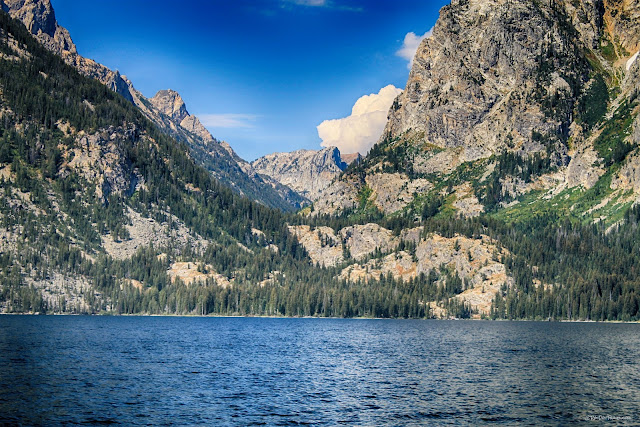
point(340, 196)
point(472, 82)
point(99, 159)
point(40, 19)
point(622, 23)
point(363, 240)
point(170, 103)
point(321, 243)
point(373, 251)
point(144, 232)
point(191, 273)
point(392, 192)
point(308, 172)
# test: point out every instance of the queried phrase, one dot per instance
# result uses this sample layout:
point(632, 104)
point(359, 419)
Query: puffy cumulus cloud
point(361, 130)
point(410, 46)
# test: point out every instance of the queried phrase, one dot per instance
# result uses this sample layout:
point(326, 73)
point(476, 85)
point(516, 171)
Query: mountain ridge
point(220, 159)
point(308, 172)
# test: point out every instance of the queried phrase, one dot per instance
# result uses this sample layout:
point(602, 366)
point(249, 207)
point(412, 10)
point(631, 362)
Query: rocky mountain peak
point(494, 73)
point(38, 14)
point(308, 172)
point(170, 103)
point(40, 19)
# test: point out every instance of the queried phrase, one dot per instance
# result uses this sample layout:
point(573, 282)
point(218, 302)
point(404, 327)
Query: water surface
point(258, 371)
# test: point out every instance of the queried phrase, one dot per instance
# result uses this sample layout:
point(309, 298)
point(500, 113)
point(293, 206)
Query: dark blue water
point(233, 371)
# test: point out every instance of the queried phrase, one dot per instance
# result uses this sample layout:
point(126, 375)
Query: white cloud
point(410, 46)
point(309, 2)
point(361, 130)
point(227, 120)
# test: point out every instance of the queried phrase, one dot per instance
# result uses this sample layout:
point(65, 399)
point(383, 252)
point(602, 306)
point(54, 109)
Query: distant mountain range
point(308, 172)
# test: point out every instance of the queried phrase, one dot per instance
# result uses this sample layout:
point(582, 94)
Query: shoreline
point(315, 317)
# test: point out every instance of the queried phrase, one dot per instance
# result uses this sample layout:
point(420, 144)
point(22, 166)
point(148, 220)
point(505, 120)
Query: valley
point(505, 184)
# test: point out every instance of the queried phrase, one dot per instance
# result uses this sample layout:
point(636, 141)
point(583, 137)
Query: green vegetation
point(593, 103)
point(491, 192)
point(564, 266)
point(610, 144)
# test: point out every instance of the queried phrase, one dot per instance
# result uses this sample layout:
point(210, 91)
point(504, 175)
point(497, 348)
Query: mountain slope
point(219, 158)
point(99, 207)
point(516, 115)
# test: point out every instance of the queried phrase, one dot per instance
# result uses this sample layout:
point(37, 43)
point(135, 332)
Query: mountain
point(505, 186)
point(219, 158)
point(518, 119)
point(308, 172)
point(508, 99)
point(101, 209)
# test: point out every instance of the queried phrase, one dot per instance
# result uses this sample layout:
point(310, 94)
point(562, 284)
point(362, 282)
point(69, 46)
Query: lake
point(261, 371)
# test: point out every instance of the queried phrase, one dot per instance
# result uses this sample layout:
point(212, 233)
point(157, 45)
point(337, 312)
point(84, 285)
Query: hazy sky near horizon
point(260, 74)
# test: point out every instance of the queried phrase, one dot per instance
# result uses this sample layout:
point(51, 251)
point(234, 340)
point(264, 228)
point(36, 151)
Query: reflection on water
point(154, 370)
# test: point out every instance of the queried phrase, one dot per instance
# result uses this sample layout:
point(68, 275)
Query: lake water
point(256, 371)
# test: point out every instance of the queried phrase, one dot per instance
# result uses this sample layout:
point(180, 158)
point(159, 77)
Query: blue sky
point(261, 74)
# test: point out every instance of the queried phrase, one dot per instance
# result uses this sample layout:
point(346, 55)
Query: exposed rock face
point(473, 260)
point(363, 240)
point(392, 192)
point(39, 18)
point(99, 159)
point(340, 196)
point(628, 178)
point(472, 81)
point(147, 231)
point(191, 273)
point(170, 103)
point(308, 172)
point(622, 20)
point(321, 243)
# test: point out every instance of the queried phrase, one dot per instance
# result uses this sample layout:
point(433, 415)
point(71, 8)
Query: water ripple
point(219, 371)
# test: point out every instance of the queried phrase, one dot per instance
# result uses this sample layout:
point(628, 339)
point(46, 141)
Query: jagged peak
point(169, 102)
point(39, 14)
point(40, 19)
